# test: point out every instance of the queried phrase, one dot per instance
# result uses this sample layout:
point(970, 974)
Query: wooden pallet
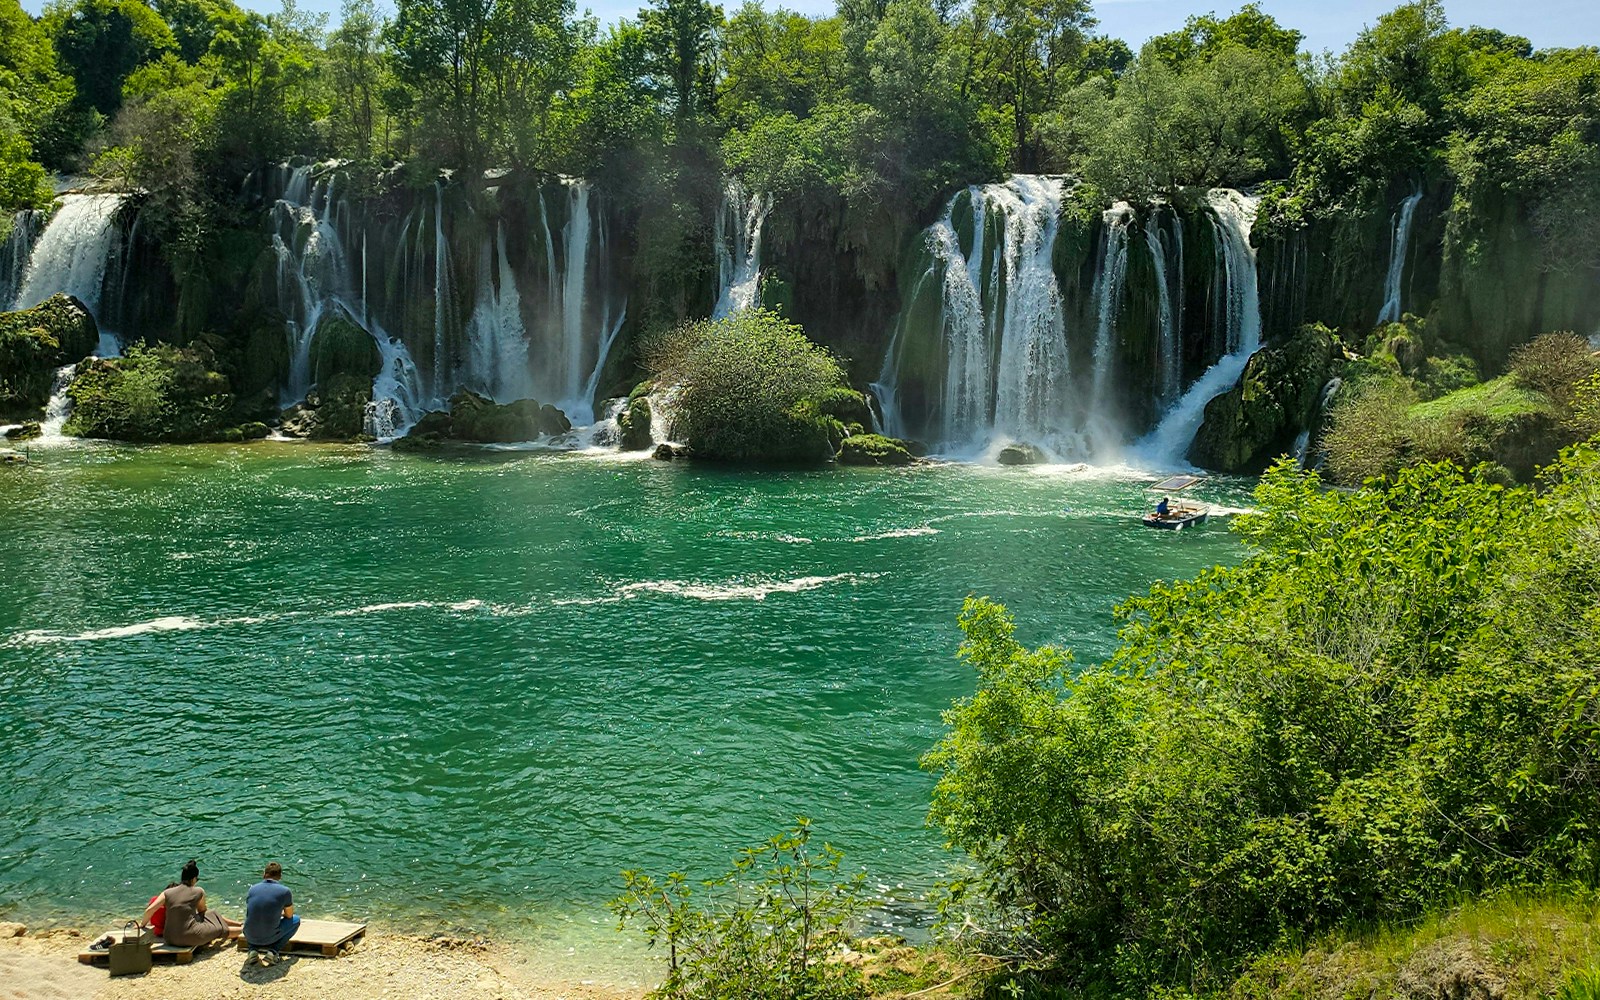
point(159, 950)
point(324, 937)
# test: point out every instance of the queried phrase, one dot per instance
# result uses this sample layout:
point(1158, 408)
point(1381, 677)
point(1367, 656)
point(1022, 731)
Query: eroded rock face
point(1257, 420)
point(33, 344)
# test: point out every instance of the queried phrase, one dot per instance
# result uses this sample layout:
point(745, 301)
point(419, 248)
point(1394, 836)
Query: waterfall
point(498, 362)
point(317, 280)
point(1169, 354)
point(72, 255)
point(1399, 236)
point(1116, 221)
point(14, 254)
point(740, 218)
point(59, 407)
point(575, 252)
point(443, 301)
point(1232, 216)
point(583, 322)
point(984, 347)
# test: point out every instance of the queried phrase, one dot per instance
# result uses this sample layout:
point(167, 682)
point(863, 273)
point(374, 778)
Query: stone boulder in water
point(33, 344)
point(478, 419)
point(1248, 426)
point(1021, 454)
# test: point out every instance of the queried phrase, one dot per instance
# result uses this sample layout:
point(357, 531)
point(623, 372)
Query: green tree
point(101, 42)
point(680, 37)
point(763, 931)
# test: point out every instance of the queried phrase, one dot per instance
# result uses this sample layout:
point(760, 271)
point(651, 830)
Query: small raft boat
point(1173, 512)
point(9, 457)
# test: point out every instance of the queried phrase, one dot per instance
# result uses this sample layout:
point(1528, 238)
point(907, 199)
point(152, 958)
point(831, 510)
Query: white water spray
point(1399, 237)
point(1234, 213)
point(740, 219)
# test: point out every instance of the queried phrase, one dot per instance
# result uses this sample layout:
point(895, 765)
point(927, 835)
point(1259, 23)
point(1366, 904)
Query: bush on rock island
point(156, 394)
point(753, 387)
point(335, 410)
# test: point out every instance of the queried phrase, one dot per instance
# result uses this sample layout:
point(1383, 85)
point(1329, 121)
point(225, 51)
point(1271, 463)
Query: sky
point(1326, 24)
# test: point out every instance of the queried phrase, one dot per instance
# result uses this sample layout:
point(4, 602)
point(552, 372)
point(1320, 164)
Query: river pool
point(468, 691)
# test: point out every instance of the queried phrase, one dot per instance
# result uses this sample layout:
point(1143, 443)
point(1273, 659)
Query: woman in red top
point(158, 916)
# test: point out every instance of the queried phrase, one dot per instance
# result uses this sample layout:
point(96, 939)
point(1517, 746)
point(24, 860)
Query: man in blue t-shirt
point(269, 920)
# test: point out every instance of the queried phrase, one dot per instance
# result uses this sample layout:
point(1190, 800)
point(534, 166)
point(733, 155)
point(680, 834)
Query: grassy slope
point(1498, 399)
point(1512, 948)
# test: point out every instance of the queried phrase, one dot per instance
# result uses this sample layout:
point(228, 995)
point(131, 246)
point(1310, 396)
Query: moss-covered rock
point(34, 343)
point(873, 449)
point(339, 347)
point(1248, 426)
point(478, 419)
point(336, 410)
point(634, 422)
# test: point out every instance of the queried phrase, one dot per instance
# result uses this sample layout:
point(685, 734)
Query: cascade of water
point(443, 300)
point(740, 218)
point(59, 407)
point(1116, 221)
point(575, 252)
point(14, 253)
point(1233, 214)
point(1167, 340)
point(499, 342)
point(1399, 236)
point(1030, 395)
point(969, 379)
point(73, 252)
point(1000, 329)
point(316, 280)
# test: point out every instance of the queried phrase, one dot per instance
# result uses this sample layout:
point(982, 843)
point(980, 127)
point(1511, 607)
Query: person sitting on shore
point(187, 922)
point(269, 920)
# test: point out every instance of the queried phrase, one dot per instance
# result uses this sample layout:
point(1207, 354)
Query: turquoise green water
point(471, 691)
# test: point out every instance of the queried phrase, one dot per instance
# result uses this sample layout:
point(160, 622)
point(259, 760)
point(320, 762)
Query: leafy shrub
point(160, 393)
point(1353, 724)
point(763, 931)
point(1554, 364)
point(749, 386)
point(1366, 434)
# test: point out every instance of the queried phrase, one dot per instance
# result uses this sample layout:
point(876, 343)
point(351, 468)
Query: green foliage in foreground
point(762, 931)
point(751, 386)
point(1393, 702)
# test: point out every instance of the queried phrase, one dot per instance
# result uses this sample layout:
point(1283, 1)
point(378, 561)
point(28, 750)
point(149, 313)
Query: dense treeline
point(882, 106)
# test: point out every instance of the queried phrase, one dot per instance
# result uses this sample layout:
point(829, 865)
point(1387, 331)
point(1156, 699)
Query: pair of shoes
point(264, 958)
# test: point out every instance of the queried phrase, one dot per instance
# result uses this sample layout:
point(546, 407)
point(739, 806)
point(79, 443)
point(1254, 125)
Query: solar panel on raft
point(1176, 483)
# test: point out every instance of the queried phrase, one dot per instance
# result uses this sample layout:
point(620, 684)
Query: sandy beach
point(44, 966)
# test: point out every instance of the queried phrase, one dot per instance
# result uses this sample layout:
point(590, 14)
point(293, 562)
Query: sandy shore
point(45, 966)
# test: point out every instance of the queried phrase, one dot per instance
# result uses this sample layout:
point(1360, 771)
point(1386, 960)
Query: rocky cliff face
point(1277, 398)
